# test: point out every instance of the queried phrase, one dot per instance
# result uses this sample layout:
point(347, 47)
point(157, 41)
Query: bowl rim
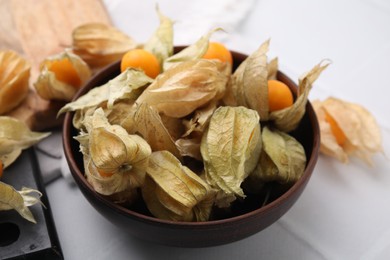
point(273, 205)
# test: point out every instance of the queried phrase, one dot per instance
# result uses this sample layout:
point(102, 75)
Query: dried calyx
point(61, 76)
point(15, 136)
point(100, 44)
point(347, 129)
point(14, 79)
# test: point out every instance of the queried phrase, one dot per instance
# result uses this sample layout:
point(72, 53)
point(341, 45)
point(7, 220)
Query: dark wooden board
point(19, 238)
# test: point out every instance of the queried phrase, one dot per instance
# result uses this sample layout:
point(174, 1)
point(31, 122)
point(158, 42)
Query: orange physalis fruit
point(105, 174)
point(279, 95)
point(218, 51)
point(61, 75)
point(141, 59)
point(336, 130)
point(65, 72)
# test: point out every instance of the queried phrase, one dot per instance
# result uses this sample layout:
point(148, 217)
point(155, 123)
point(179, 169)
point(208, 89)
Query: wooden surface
point(39, 28)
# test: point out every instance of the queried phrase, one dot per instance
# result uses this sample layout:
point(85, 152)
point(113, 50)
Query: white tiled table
point(344, 212)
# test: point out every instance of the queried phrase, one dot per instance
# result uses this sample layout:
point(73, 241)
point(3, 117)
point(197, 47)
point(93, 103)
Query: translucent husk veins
point(114, 160)
point(19, 200)
point(362, 133)
point(50, 87)
point(15, 136)
point(230, 150)
point(172, 191)
point(14, 79)
point(99, 44)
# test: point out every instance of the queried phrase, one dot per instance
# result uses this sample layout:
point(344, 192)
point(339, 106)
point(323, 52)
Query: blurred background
point(354, 35)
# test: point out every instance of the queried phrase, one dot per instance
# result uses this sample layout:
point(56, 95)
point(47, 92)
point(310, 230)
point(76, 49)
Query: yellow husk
point(172, 191)
point(230, 150)
point(51, 88)
point(362, 132)
point(186, 87)
point(14, 80)
point(99, 44)
point(18, 200)
point(109, 149)
point(15, 136)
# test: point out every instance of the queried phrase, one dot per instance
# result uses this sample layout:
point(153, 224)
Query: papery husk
point(161, 42)
point(174, 192)
point(200, 120)
point(272, 68)
point(193, 52)
point(248, 85)
point(145, 121)
point(8, 158)
point(174, 126)
point(362, 132)
point(329, 145)
point(110, 149)
point(19, 200)
point(51, 88)
point(189, 143)
point(230, 150)
point(190, 147)
point(282, 159)
point(14, 80)
point(127, 85)
point(369, 134)
point(119, 111)
point(99, 44)
point(80, 115)
point(287, 119)
point(15, 136)
point(186, 87)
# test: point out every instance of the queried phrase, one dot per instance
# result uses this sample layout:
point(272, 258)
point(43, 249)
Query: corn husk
point(11, 199)
point(172, 191)
point(99, 44)
point(362, 132)
point(15, 136)
point(186, 87)
point(14, 80)
point(111, 150)
point(49, 87)
point(230, 150)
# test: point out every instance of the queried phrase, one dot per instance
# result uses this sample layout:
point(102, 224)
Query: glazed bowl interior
point(246, 217)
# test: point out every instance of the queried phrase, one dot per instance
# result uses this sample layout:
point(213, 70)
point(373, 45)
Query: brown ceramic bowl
point(246, 217)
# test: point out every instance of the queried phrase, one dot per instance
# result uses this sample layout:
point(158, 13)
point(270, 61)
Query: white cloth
point(344, 211)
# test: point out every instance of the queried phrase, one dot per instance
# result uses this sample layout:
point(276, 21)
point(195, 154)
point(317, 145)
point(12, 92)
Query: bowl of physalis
point(192, 146)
